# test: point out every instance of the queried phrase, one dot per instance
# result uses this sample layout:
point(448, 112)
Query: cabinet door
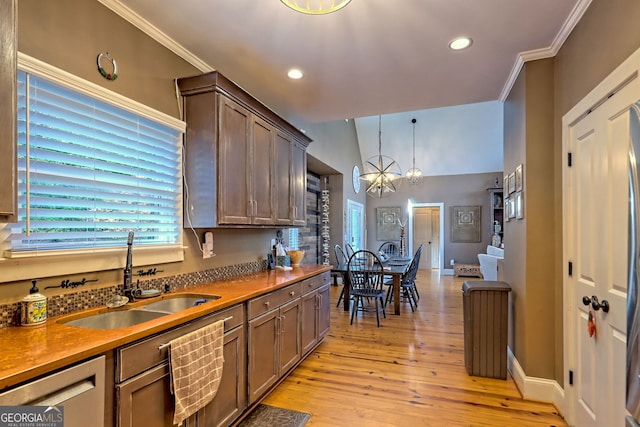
point(145, 400)
point(299, 184)
point(290, 343)
point(234, 139)
point(262, 155)
point(282, 179)
point(263, 354)
point(8, 46)
point(231, 398)
point(324, 313)
point(309, 324)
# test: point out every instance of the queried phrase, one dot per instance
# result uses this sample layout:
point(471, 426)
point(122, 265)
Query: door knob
point(595, 304)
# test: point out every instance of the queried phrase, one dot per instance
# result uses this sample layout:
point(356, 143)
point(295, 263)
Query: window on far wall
point(293, 241)
point(89, 172)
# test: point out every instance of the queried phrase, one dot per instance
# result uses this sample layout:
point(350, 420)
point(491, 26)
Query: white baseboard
point(447, 272)
point(532, 388)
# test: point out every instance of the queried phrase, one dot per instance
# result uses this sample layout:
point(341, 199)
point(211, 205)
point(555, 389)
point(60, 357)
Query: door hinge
point(570, 377)
point(570, 269)
point(569, 159)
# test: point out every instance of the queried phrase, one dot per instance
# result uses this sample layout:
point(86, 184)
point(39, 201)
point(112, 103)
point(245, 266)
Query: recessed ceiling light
point(460, 43)
point(295, 74)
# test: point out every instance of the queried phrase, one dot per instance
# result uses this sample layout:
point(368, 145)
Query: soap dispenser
point(34, 307)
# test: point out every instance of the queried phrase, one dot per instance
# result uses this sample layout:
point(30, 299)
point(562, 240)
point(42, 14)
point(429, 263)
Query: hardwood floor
point(409, 372)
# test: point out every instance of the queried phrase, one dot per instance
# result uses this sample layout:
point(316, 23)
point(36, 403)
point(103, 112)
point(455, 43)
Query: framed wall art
point(519, 205)
point(511, 208)
point(506, 209)
point(388, 224)
point(465, 224)
point(512, 183)
point(519, 178)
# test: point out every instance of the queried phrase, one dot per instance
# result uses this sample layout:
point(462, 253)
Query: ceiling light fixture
point(380, 171)
point(295, 74)
point(316, 7)
point(460, 43)
point(414, 175)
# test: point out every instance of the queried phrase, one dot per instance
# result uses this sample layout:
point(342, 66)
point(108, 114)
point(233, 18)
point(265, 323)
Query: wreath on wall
point(109, 76)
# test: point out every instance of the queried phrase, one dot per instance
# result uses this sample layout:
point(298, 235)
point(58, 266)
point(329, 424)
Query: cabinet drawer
point(313, 283)
point(142, 355)
point(260, 305)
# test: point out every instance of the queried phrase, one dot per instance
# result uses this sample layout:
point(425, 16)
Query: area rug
point(270, 416)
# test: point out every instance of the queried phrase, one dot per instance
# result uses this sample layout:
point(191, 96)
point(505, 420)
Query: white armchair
point(489, 262)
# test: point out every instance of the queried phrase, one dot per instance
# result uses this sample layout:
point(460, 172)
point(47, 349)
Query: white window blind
point(89, 172)
point(294, 242)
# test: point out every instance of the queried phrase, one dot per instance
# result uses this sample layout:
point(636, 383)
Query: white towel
point(196, 361)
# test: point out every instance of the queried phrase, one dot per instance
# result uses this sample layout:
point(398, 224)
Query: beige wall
point(529, 258)
point(69, 34)
point(452, 190)
point(605, 36)
point(514, 271)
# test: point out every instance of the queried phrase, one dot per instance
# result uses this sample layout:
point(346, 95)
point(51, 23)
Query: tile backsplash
point(85, 299)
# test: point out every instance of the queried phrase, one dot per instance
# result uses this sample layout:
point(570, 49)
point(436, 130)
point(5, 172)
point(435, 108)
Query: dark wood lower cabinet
point(274, 347)
point(231, 398)
point(143, 397)
point(283, 327)
point(316, 311)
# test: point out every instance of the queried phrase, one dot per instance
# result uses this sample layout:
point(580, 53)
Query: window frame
point(84, 260)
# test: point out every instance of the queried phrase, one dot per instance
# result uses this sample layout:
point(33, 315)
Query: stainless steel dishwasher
point(78, 389)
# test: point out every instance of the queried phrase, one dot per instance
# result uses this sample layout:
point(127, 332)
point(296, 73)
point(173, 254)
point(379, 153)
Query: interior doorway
point(426, 227)
point(354, 233)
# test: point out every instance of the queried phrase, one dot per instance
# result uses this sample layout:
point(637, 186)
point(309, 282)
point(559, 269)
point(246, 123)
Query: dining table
point(395, 267)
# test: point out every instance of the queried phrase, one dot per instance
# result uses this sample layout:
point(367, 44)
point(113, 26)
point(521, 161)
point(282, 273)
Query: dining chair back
point(408, 283)
point(348, 250)
point(388, 250)
point(408, 288)
point(366, 278)
point(341, 259)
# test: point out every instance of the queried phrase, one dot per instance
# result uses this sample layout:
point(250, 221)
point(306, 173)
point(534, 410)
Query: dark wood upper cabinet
point(8, 73)
point(244, 165)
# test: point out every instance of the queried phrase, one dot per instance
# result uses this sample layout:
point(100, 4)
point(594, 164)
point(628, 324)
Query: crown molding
point(146, 27)
point(548, 52)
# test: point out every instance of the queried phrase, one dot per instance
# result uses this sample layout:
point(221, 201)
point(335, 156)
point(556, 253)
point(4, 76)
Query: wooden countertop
point(31, 351)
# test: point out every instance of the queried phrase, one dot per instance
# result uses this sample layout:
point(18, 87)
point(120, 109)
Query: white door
point(596, 238)
point(355, 225)
point(426, 232)
point(430, 233)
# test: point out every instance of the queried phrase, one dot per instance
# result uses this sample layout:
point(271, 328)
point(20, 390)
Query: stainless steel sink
point(133, 316)
point(173, 304)
point(116, 319)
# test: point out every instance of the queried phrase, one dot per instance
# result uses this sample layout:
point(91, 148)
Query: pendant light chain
point(414, 175)
point(414, 142)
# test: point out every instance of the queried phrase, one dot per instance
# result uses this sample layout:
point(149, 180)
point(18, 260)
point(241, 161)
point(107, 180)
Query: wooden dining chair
point(408, 289)
point(348, 250)
point(341, 258)
point(366, 281)
point(388, 250)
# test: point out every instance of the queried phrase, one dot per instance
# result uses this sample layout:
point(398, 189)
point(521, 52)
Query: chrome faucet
point(129, 291)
